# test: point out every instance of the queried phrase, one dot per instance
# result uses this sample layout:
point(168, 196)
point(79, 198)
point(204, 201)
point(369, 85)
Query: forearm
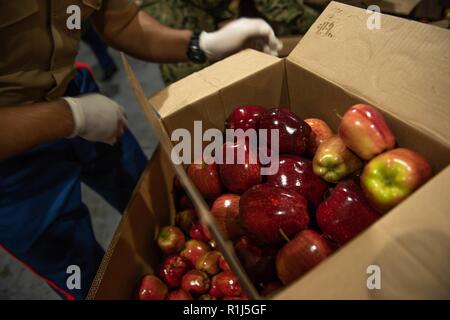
point(23, 127)
point(145, 38)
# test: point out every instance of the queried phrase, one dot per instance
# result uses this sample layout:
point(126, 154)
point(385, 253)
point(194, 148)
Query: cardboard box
point(403, 69)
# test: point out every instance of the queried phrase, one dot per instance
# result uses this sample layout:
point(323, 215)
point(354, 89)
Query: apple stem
point(284, 235)
point(338, 115)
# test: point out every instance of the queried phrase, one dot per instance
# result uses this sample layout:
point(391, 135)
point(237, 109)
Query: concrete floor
point(16, 282)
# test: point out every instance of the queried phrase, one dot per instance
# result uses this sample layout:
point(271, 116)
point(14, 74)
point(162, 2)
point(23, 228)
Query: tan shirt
point(37, 50)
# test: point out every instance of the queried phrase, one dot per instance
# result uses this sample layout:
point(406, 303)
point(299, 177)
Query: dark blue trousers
point(43, 221)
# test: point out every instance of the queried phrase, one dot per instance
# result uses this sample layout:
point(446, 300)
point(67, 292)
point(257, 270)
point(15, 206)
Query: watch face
point(195, 54)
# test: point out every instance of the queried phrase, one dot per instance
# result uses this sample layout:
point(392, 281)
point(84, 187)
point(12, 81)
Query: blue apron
point(43, 221)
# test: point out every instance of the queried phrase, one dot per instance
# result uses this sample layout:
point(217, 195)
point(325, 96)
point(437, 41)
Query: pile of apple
point(328, 189)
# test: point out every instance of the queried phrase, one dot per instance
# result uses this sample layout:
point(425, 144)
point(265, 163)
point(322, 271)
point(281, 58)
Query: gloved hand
point(97, 118)
point(236, 35)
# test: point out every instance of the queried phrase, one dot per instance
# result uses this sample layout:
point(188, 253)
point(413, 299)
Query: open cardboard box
point(403, 69)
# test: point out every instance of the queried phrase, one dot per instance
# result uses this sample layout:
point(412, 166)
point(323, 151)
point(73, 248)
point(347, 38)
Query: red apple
point(209, 262)
point(259, 263)
point(195, 282)
point(365, 132)
point(300, 255)
point(185, 220)
point(239, 177)
point(193, 250)
point(226, 212)
point(296, 173)
point(228, 284)
point(172, 270)
point(345, 213)
point(152, 288)
point(294, 133)
point(223, 264)
point(320, 131)
point(244, 117)
point(197, 233)
point(392, 176)
point(170, 239)
point(333, 161)
point(207, 233)
point(241, 297)
point(214, 290)
point(179, 295)
point(206, 178)
point(268, 211)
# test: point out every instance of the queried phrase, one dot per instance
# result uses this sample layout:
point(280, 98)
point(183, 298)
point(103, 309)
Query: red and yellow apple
point(365, 132)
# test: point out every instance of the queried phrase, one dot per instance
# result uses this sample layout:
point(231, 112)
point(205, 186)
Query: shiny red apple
point(391, 177)
point(172, 270)
point(193, 250)
point(152, 288)
point(197, 232)
point(345, 213)
point(206, 178)
point(171, 239)
point(223, 264)
point(195, 282)
point(320, 131)
point(239, 176)
point(214, 290)
point(294, 133)
point(226, 213)
point(179, 295)
point(244, 117)
point(296, 173)
point(365, 131)
point(268, 212)
point(228, 284)
point(306, 250)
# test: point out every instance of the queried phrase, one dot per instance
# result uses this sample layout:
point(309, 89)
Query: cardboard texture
point(402, 69)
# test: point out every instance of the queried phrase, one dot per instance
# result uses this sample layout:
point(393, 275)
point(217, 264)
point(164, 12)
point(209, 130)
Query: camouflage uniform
point(287, 17)
point(187, 14)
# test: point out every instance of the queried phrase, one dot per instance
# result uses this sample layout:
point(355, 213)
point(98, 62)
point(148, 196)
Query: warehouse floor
point(16, 282)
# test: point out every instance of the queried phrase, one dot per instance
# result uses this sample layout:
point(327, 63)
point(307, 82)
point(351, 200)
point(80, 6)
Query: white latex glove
point(97, 118)
point(237, 35)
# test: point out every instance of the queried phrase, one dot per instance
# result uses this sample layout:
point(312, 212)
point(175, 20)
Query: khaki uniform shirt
point(37, 50)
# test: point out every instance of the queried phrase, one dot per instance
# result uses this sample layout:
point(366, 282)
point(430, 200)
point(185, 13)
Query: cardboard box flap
point(206, 82)
point(402, 68)
point(400, 7)
point(410, 245)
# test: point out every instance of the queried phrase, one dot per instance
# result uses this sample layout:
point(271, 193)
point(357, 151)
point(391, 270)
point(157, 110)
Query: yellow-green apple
point(365, 131)
point(345, 213)
point(171, 239)
point(392, 176)
point(333, 161)
point(320, 131)
point(300, 255)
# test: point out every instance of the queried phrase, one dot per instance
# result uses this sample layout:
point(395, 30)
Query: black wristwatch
point(194, 52)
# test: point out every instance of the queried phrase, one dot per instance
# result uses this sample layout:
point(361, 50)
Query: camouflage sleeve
point(287, 17)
